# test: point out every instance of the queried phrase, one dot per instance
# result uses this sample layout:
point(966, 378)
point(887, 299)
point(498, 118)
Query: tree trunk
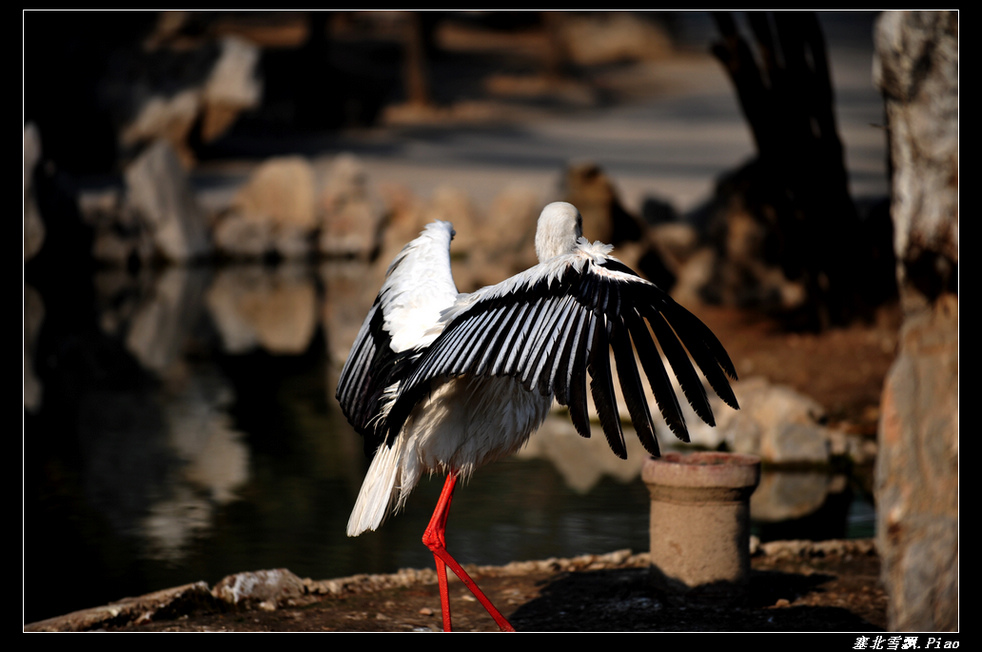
point(799, 189)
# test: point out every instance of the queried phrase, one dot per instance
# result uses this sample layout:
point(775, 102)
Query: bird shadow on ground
point(625, 600)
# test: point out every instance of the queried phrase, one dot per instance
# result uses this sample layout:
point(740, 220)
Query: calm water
point(167, 447)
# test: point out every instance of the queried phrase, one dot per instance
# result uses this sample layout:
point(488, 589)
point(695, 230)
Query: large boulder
point(273, 213)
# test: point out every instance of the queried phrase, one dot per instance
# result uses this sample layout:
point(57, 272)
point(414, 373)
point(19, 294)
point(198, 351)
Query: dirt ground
point(831, 590)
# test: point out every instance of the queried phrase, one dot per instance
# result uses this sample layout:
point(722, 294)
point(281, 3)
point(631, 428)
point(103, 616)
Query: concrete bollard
point(700, 522)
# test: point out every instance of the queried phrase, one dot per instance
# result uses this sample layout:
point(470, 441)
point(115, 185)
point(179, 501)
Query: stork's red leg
point(435, 539)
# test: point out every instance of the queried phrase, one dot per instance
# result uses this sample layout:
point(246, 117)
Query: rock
point(275, 204)
point(784, 496)
point(168, 118)
point(231, 88)
point(588, 187)
point(280, 190)
point(243, 236)
point(263, 588)
point(294, 242)
point(774, 422)
point(916, 488)
point(796, 442)
point(789, 424)
point(352, 216)
point(160, 194)
point(842, 577)
point(693, 275)
point(804, 549)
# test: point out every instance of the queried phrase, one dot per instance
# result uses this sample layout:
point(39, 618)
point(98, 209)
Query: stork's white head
point(560, 226)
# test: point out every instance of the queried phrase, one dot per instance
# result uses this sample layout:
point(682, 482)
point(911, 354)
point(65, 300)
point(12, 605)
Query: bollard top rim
point(702, 469)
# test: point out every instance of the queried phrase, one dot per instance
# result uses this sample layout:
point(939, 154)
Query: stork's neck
point(559, 227)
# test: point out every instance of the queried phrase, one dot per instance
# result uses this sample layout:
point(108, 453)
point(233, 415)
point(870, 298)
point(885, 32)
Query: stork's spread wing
point(417, 288)
point(551, 325)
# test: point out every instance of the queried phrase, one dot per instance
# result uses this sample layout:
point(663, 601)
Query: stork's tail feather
point(380, 491)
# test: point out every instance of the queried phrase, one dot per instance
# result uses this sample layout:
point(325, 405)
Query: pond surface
point(181, 436)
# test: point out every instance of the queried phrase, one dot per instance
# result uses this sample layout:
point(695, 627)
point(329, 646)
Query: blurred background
point(211, 200)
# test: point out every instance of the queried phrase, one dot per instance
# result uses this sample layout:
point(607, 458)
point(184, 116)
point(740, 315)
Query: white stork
point(439, 381)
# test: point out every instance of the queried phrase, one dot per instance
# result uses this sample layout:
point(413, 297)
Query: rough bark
point(917, 467)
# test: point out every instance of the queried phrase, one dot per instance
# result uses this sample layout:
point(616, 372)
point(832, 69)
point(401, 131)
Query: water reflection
point(180, 426)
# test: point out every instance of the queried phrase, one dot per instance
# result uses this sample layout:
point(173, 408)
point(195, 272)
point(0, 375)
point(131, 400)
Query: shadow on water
point(183, 428)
